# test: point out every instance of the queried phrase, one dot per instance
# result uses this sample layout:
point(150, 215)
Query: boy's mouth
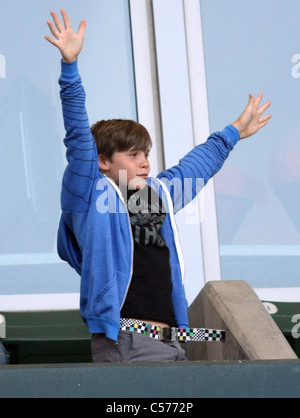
point(138, 182)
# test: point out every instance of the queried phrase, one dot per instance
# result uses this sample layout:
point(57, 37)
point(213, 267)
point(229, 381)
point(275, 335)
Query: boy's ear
point(103, 163)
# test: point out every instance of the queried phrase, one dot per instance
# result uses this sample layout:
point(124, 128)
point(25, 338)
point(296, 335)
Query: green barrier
point(46, 337)
point(118, 382)
point(287, 317)
point(62, 337)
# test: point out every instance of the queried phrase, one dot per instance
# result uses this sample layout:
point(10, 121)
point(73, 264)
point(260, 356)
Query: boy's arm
point(187, 178)
point(81, 150)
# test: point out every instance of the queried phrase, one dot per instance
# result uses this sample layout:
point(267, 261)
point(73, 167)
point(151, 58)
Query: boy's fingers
point(57, 22)
point(258, 100)
point(82, 27)
point(264, 107)
point(53, 30)
point(65, 18)
point(264, 119)
point(52, 41)
point(251, 99)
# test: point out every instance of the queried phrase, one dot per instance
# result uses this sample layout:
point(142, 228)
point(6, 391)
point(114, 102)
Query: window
point(251, 48)
point(172, 47)
point(32, 157)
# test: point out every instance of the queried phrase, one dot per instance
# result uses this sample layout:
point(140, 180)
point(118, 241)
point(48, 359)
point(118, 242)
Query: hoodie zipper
point(174, 228)
point(131, 238)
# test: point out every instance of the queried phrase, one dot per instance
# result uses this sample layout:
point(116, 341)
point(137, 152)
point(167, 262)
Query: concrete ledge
point(252, 334)
point(260, 379)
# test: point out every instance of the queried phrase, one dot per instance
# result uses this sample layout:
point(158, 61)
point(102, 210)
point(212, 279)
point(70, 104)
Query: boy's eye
point(135, 154)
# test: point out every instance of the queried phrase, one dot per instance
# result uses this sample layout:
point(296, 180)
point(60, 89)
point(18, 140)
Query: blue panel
point(253, 47)
point(32, 158)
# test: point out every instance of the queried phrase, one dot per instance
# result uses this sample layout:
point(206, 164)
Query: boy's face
point(127, 168)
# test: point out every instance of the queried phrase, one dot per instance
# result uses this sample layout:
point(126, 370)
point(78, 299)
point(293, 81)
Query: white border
point(29, 259)
point(199, 104)
point(146, 78)
point(177, 124)
point(42, 302)
point(260, 250)
point(279, 294)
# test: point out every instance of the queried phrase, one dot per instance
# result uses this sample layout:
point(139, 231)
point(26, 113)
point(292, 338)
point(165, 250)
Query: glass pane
point(32, 158)
point(252, 47)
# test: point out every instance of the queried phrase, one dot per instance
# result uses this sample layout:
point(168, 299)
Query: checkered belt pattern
point(172, 334)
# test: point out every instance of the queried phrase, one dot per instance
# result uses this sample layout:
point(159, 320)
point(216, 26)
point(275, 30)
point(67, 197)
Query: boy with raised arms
point(117, 227)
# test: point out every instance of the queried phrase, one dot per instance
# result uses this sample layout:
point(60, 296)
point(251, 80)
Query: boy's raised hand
point(66, 40)
point(252, 119)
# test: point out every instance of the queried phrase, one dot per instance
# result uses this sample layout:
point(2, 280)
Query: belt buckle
point(168, 334)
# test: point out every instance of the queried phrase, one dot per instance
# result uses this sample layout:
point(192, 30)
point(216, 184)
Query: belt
point(172, 333)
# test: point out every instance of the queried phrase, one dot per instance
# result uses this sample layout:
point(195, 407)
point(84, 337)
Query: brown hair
point(120, 135)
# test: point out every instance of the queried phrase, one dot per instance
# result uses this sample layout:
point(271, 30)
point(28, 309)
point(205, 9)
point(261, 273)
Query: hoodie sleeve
point(82, 168)
point(186, 179)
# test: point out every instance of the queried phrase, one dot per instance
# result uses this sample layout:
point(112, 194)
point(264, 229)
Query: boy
point(117, 228)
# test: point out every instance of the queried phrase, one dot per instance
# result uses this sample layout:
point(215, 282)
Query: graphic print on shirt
point(146, 216)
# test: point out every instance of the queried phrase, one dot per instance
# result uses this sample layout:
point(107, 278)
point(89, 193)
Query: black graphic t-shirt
point(150, 292)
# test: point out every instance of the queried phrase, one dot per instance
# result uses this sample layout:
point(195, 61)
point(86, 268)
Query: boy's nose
point(145, 162)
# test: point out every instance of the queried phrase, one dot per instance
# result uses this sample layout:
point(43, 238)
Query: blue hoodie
point(94, 234)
